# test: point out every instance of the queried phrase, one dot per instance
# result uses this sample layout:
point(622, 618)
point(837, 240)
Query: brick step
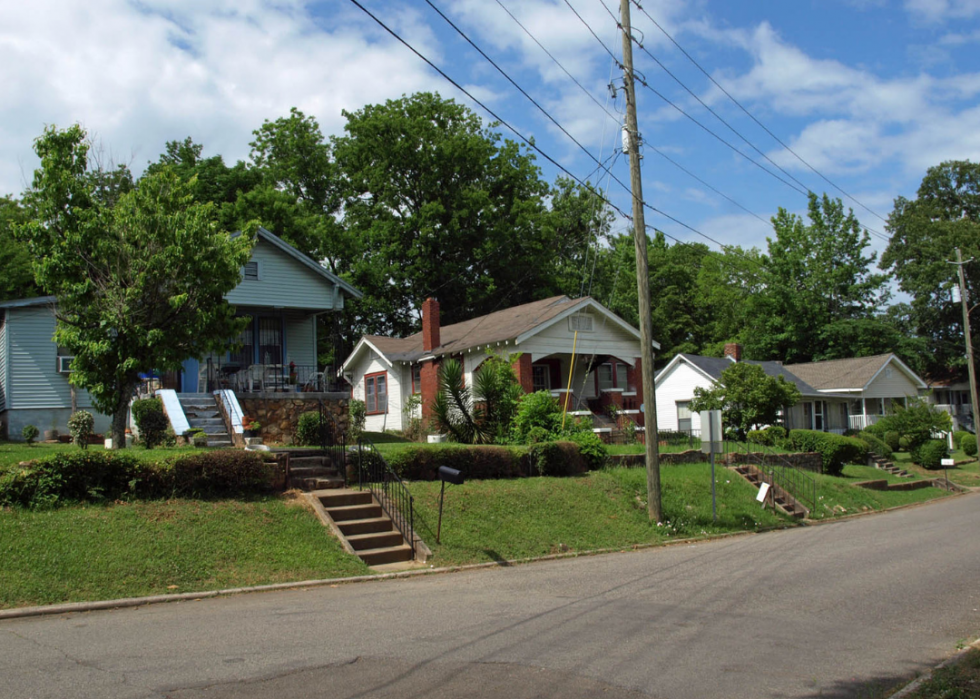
point(392, 554)
point(375, 540)
point(352, 527)
point(341, 514)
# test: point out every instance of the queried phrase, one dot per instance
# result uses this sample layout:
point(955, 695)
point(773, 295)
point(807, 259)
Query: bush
point(591, 449)
point(673, 437)
point(80, 426)
point(311, 432)
point(538, 409)
point(893, 440)
point(357, 412)
point(903, 443)
point(219, 473)
point(556, 459)
point(421, 463)
point(835, 450)
point(30, 433)
point(878, 429)
point(968, 443)
point(756, 437)
point(930, 453)
point(958, 435)
point(151, 423)
point(72, 477)
point(876, 445)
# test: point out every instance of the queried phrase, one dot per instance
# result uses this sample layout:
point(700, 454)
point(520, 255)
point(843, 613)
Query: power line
point(752, 116)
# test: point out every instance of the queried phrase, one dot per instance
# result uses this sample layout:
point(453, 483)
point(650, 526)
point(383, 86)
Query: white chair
point(254, 376)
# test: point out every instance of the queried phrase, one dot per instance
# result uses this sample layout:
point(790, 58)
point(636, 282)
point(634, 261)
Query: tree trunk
point(118, 429)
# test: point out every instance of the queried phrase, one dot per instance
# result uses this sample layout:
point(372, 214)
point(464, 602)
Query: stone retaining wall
point(808, 461)
point(279, 413)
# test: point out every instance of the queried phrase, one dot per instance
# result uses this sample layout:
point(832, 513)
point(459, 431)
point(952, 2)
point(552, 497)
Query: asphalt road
point(826, 611)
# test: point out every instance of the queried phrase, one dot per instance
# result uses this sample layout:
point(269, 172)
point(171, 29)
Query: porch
point(600, 386)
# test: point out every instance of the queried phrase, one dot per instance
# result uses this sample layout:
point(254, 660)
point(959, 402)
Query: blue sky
point(870, 92)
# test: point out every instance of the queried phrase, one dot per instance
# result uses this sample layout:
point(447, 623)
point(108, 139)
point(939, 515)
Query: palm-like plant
point(480, 414)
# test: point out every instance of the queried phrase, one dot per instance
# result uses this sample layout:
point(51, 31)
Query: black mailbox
point(450, 475)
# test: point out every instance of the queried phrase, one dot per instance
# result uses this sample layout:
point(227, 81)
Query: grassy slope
point(966, 474)
point(91, 552)
point(838, 496)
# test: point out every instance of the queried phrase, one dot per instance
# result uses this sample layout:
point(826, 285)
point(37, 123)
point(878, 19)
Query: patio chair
point(253, 376)
point(315, 382)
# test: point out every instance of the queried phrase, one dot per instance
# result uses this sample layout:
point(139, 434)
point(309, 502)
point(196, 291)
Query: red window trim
point(367, 377)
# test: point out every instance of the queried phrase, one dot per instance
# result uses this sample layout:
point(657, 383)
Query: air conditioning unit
point(64, 365)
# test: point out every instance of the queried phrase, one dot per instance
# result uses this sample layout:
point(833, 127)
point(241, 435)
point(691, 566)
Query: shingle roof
point(476, 332)
point(839, 374)
point(713, 366)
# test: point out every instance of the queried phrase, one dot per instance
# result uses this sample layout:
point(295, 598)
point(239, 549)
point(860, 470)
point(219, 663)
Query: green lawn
point(508, 519)
point(837, 496)
point(92, 552)
point(965, 474)
point(12, 453)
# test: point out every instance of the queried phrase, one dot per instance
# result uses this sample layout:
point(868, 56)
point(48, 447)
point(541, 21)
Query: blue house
point(282, 292)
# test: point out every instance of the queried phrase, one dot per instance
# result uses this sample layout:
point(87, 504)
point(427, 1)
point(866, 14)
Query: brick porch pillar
point(634, 377)
point(430, 387)
point(525, 375)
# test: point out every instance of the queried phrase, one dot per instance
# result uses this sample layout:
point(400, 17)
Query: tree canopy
point(747, 397)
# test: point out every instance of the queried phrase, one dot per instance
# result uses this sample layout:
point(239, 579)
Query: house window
point(376, 393)
point(251, 271)
point(541, 377)
point(270, 341)
point(581, 322)
point(604, 377)
point(818, 415)
point(620, 375)
point(684, 416)
point(416, 379)
point(244, 356)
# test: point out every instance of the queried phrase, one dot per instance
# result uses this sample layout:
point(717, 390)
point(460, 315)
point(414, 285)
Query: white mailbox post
point(711, 443)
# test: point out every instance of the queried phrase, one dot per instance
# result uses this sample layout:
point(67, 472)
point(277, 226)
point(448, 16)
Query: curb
point(916, 683)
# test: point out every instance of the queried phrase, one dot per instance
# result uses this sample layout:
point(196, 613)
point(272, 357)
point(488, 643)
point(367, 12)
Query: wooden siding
point(3, 361)
point(676, 386)
point(33, 378)
point(300, 339)
point(897, 385)
point(284, 281)
point(372, 364)
point(606, 338)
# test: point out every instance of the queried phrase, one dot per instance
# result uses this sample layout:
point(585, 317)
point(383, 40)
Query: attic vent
point(581, 322)
point(252, 271)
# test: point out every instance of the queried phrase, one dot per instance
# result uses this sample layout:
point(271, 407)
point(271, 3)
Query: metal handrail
point(388, 488)
point(787, 476)
point(336, 435)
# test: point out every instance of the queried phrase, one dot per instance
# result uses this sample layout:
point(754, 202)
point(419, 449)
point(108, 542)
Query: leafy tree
point(917, 422)
point(747, 397)
point(16, 277)
point(140, 283)
point(434, 203)
point(925, 233)
point(815, 275)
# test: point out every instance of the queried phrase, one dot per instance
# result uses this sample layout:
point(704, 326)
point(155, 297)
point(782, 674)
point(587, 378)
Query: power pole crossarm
point(654, 505)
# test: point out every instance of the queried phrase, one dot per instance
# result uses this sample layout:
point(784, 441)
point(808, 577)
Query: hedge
point(968, 443)
point(930, 453)
point(876, 445)
point(835, 450)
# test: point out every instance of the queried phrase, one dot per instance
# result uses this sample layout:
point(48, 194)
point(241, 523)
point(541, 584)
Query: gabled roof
point(306, 260)
point(23, 303)
point(512, 324)
point(711, 367)
point(850, 374)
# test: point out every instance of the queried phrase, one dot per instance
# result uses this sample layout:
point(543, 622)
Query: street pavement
point(828, 611)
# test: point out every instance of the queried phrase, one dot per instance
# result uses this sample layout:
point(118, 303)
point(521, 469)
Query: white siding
point(371, 363)
point(897, 385)
point(34, 381)
point(678, 385)
point(283, 281)
point(605, 338)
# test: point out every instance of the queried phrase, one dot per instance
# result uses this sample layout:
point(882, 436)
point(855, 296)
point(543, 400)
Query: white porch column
point(864, 413)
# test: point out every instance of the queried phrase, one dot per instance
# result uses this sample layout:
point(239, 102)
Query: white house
point(577, 349)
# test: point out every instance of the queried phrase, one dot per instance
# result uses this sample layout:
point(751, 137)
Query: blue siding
point(301, 340)
point(34, 381)
point(283, 282)
point(3, 361)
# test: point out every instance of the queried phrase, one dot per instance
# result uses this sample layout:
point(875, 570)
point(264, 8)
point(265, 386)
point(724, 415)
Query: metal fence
point(241, 377)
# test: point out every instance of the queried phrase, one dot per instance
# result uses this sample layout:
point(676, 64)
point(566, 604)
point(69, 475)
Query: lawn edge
point(907, 690)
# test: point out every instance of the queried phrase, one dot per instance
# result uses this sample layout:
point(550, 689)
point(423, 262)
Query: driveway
point(825, 611)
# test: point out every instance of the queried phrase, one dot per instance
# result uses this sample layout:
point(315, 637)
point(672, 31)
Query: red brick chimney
point(734, 350)
point(430, 324)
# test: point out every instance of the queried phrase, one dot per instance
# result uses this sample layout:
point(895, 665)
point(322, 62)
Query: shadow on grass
point(873, 687)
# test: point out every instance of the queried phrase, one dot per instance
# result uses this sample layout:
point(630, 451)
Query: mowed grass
point(512, 519)
point(93, 552)
point(838, 496)
point(12, 453)
point(965, 473)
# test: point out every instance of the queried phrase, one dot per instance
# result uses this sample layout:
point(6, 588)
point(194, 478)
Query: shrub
point(835, 450)
point(876, 445)
point(30, 433)
point(893, 440)
point(557, 459)
point(482, 462)
point(930, 453)
point(538, 409)
point(310, 431)
point(537, 434)
point(72, 477)
point(80, 426)
point(968, 443)
point(219, 473)
point(150, 421)
point(917, 422)
point(591, 449)
point(879, 429)
point(357, 410)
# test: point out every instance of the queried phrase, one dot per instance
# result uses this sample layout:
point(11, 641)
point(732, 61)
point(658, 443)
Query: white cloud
point(935, 11)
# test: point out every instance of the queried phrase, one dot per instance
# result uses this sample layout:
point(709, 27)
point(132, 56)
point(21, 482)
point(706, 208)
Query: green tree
point(925, 233)
point(747, 397)
point(480, 414)
point(140, 284)
point(816, 275)
point(436, 204)
point(917, 422)
point(16, 277)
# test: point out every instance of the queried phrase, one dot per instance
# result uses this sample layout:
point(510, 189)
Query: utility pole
point(969, 343)
point(654, 505)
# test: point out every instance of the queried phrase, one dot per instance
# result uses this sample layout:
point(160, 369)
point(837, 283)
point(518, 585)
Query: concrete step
point(375, 540)
point(392, 554)
point(352, 527)
point(313, 471)
point(199, 421)
point(219, 440)
point(218, 428)
point(341, 514)
point(198, 404)
point(317, 483)
point(345, 498)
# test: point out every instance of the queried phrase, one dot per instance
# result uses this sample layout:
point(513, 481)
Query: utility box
point(711, 432)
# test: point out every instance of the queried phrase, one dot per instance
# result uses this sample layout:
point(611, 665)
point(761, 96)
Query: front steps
point(784, 501)
point(201, 410)
point(364, 527)
point(315, 470)
point(886, 465)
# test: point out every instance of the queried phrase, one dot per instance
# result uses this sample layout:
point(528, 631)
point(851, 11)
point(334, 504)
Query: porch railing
point(241, 377)
point(858, 422)
point(374, 473)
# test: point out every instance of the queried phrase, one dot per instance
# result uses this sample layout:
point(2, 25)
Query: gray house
point(282, 292)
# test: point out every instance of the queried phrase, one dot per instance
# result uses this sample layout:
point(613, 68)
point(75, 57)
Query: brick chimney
point(734, 351)
point(430, 324)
